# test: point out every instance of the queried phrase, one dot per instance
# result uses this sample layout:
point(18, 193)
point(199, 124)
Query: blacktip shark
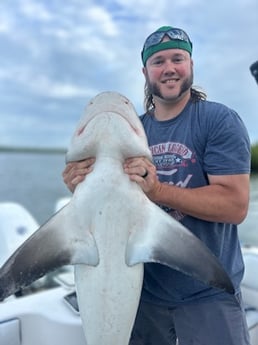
point(109, 229)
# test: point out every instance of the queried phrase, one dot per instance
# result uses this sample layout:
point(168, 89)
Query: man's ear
point(144, 71)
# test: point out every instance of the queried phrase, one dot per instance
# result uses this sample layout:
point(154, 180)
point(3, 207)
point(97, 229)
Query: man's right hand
point(75, 172)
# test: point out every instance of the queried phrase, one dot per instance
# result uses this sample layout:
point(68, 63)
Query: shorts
point(213, 321)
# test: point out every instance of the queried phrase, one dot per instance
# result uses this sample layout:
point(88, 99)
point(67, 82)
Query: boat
point(46, 313)
point(249, 288)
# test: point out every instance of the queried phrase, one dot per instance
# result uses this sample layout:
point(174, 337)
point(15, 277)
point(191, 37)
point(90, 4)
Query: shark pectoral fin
point(57, 243)
point(164, 240)
point(84, 251)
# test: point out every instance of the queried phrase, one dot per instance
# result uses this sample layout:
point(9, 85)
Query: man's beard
point(154, 90)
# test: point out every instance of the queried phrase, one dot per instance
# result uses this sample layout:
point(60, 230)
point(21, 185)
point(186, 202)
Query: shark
point(109, 229)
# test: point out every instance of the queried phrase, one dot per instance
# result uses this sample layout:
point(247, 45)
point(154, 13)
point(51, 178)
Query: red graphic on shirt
point(169, 158)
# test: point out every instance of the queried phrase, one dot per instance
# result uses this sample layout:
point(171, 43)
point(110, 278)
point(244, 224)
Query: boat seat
point(61, 203)
point(43, 318)
point(16, 225)
point(249, 289)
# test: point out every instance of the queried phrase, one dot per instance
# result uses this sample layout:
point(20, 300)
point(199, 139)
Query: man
point(200, 176)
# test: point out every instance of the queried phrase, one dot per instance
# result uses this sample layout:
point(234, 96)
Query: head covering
point(178, 40)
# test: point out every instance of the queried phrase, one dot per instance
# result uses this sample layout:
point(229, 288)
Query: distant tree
point(254, 158)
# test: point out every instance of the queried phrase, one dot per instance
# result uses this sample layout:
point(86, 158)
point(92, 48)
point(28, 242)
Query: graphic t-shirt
point(207, 138)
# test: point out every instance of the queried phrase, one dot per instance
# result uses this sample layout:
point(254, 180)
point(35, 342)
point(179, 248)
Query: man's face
point(169, 74)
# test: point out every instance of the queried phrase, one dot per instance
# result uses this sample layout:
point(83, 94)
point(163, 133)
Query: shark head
point(106, 114)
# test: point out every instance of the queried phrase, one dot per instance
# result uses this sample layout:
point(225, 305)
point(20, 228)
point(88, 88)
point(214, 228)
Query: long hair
point(196, 95)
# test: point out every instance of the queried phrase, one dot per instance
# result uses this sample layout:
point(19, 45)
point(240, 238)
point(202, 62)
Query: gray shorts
point(216, 321)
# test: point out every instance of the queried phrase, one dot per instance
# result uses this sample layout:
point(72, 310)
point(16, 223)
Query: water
point(248, 230)
point(35, 181)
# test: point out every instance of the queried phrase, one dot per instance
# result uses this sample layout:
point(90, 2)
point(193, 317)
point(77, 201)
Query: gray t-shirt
point(206, 138)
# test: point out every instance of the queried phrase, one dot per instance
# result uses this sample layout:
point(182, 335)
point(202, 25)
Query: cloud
point(55, 56)
point(35, 10)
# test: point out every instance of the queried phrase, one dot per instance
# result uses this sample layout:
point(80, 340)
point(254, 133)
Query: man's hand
point(75, 172)
point(143, 172)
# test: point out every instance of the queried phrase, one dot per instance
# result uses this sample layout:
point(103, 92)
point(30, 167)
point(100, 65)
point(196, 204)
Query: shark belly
point(108, 312)
point(109, 293)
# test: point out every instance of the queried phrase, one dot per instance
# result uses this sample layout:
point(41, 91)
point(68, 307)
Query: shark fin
point(166, 241)
point(60, 241)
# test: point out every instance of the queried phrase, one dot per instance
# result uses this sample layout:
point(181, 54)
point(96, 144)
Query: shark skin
point(109, 229)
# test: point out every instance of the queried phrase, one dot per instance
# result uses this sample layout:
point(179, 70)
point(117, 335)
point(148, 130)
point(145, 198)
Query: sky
point(56, 55)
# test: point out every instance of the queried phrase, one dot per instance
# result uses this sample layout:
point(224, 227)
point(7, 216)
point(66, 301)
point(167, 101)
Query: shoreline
point(49, 150)
point(62, 150)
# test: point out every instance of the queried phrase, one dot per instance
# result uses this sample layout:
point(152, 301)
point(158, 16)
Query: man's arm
point(225, 199)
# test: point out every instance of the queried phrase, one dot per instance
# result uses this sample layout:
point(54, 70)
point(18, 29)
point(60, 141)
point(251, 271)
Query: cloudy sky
point(56, 55)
